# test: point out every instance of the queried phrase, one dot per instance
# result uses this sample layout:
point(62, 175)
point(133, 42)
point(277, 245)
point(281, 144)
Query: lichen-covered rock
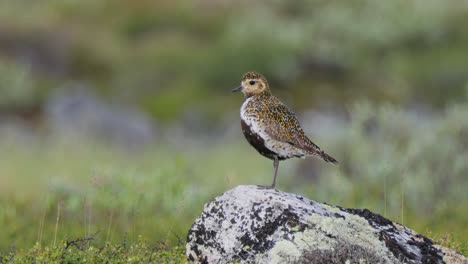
point(249, 224)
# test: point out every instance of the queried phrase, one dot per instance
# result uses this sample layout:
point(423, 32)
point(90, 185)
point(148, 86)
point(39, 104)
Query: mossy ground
point(82, 251)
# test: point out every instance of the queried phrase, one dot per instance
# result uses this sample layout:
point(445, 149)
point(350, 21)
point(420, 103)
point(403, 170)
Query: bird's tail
point(315, 150)
point(326, 157)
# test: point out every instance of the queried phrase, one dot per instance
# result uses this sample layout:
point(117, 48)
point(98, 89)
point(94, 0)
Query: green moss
point(80, 251)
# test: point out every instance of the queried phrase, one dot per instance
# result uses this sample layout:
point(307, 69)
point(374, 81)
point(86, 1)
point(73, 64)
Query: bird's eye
point(252, 82)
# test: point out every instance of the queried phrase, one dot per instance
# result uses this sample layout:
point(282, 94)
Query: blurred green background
point(116, 116)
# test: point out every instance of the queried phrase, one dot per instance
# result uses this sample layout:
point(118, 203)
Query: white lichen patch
point(286, 251)
point(283, 251)
point(324, 234)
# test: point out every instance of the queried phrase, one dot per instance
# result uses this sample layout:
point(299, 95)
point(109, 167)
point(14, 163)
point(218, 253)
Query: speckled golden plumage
point(270, 127)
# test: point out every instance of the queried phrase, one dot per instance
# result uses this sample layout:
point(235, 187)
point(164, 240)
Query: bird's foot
point(266, 187)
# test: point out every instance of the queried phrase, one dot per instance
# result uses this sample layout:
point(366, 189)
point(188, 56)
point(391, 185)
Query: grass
point(52, 190)
point(81, 251)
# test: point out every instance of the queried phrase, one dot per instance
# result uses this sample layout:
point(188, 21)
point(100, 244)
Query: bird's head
point(252, 84)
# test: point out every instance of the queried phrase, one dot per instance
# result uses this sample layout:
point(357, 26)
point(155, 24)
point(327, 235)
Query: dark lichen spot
point(258, 238)
point(372, 218)
point(388, 232)
point(200, 236)
point(337, 215)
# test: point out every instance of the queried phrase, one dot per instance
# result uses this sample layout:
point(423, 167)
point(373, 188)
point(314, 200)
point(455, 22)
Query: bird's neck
point(262, 94)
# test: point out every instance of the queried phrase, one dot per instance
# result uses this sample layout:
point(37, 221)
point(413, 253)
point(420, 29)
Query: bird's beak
point(236, 89)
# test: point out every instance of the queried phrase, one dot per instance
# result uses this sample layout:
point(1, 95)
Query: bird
point(271, 127)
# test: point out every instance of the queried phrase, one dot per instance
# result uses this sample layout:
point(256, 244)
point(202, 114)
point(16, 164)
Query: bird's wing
point(282, 125)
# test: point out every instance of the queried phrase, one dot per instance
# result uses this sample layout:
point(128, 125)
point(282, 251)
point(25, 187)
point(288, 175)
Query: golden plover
point(270, 127)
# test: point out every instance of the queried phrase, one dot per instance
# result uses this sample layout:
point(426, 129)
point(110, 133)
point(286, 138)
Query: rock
point(249, 224)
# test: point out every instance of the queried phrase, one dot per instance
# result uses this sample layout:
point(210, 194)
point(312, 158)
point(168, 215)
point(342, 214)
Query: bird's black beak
point(236, 89)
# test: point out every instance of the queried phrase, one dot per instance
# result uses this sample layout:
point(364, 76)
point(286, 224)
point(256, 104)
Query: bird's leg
point(275, 165)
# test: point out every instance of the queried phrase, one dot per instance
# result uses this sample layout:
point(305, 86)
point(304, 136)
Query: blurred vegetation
point(412, 164)
point(170, 57)
point(389, 163)
point(391, 75)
